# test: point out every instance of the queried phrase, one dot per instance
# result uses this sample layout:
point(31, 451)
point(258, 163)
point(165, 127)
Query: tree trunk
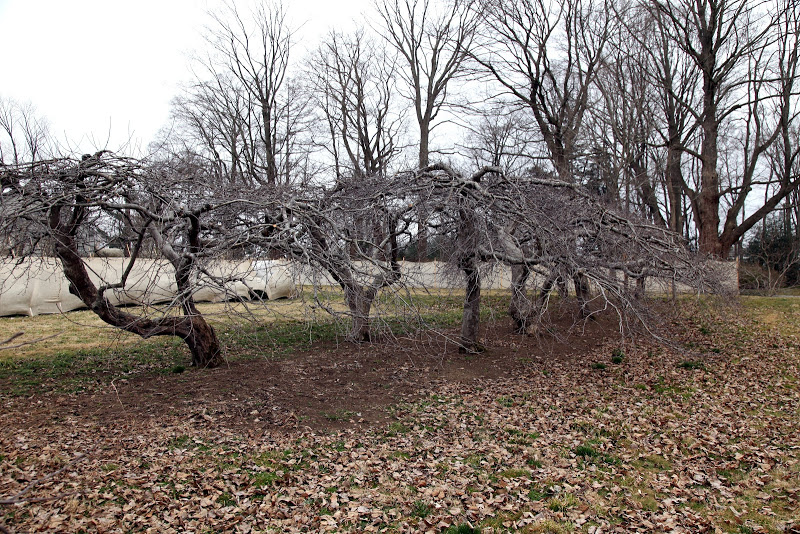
point(422, 236)
point(674, 179)
point(359, 302)
point(520, 306)
point(424, 161)
point(471, 318)
point(424, 142)
point(202, 341)
point(709, 194)
point(191, 327)
point(581, 283)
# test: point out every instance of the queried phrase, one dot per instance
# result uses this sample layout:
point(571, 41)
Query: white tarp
point(441, 275)
point(36, 286)
point(279, 277)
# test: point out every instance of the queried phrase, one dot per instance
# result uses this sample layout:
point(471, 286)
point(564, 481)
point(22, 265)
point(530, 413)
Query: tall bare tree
point(745, 55)
point(433, 40)
point(354, 88)
point(244, 110)
point(546, 55)
point(24, 135)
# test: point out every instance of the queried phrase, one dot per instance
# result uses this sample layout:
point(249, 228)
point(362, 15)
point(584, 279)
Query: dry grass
point(44, 335)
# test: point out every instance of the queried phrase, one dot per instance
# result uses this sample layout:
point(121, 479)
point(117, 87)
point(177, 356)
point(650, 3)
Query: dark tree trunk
point(192, 328)
point(638, 293)
point(422, 219)
point(674, 180)
point(202, 341)
point(471, 319)
point(424, 142)
point(582, 292)
point(520, 306)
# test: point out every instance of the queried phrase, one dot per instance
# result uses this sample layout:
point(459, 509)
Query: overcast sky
point(104, 71)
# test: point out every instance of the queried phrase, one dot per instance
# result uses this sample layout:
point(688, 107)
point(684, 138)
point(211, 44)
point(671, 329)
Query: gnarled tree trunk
point(191, 327)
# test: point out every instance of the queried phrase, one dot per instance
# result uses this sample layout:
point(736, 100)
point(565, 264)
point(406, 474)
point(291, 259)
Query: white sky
point(104, 71)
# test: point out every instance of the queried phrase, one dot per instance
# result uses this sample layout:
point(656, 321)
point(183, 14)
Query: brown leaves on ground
point(705, 440)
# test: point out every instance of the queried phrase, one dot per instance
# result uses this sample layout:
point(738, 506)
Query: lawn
point(302, 432)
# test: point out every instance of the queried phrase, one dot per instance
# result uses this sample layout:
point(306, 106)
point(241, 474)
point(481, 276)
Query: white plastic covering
point(279, 276)
point(34, 287)
point(37, 285)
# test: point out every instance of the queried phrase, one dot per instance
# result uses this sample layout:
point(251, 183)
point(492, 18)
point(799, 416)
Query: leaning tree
point(66, 207)
point(549, 232)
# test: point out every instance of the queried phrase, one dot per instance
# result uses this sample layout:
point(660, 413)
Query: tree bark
point(467, 249)
point(471, 319)
point(192, 328)
point(520, 306)
point(359, 301)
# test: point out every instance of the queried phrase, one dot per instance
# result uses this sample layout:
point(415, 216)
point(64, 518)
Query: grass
point(782, 313)
point(76, 351)
point(421, 509)
point(462, 528)
point(339, 415)
point(74, 370)
point(562, 503)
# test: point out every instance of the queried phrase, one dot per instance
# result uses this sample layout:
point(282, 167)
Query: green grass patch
point(421, 509)
point(462, 528)
point(691, 365)
point(585, 451)
point(562, 503)
point(653, 462)
point(339, 415)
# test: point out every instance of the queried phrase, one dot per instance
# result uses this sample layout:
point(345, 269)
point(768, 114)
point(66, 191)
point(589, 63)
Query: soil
point(328, 387)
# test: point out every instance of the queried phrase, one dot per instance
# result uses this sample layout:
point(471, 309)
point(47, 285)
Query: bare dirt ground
point(547, 434)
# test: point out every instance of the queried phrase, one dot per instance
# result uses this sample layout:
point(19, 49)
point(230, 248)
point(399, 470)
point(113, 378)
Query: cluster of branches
point(685, 111)
point(550, 233)
point(348, 233)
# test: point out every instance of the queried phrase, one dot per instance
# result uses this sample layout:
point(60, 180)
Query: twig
point(12, 338)
point(31, 342)
point(19, 497)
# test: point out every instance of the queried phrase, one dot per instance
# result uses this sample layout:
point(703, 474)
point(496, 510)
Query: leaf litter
point(547, 443)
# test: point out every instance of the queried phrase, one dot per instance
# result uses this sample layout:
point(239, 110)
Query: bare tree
point(211, 118)
point(502, 137)
point(551, 230)
point(354, 87)
point(745, 55)
point(621, 164)
point(434, 41)
point(24, 136)
point(245, 110)
point(673, 80)
point(58, 202)
point(547, 57)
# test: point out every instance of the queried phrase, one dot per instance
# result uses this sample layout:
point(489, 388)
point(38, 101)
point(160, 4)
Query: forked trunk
point(191, 327)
